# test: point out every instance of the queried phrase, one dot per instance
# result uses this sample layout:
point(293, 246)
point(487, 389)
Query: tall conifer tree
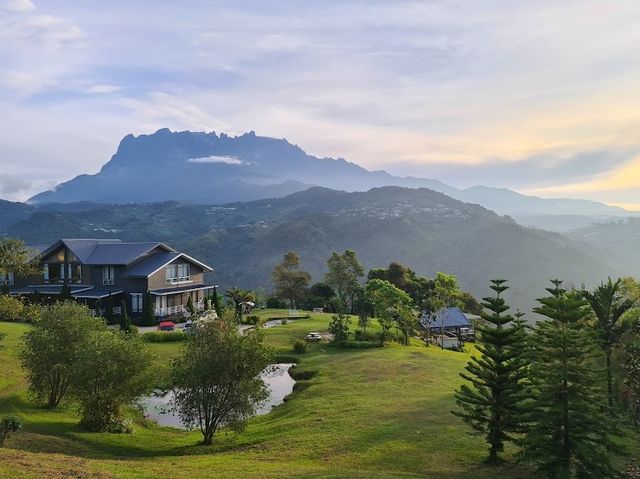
point(493, 403)
point(569, 434)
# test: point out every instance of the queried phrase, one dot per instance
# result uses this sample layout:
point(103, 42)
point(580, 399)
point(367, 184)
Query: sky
point(539, 96)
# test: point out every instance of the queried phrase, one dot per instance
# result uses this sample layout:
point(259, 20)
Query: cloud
point(533, 94)
point(19, 5)
point(103, 89)
point(217, 159)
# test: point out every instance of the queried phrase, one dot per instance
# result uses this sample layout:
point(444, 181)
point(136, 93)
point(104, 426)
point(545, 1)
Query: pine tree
point(190, 308)
point(215, 302)
point(569, 434)
point(493, 403)
point(148, 316)
point(125, 322)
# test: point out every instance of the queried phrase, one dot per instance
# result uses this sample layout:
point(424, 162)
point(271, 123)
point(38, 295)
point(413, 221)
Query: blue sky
point(539, 96)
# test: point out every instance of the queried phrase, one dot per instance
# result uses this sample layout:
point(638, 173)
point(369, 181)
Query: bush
point(299, 346)
point(301, 375)
point(31, 313)
point(361, 335)
point(8, 425)
point(163, 337)
point(11, 309)
point(252, 319)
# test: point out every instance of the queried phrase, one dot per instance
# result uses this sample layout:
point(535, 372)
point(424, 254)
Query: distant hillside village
point(152, 282)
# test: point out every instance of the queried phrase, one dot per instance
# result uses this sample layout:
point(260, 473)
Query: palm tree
point(608, 306)
point(239, 298)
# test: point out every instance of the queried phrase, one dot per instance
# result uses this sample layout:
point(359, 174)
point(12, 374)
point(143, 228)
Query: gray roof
point(121, 253)
point(105, 251)
point(149, 266)
point(447, 318)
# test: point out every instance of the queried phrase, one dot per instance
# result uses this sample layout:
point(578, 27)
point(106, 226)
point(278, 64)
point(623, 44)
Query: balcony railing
point(180, 309)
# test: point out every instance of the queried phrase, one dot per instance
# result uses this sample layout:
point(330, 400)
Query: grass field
point(375, 413)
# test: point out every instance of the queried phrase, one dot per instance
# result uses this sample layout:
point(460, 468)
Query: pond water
point(158, 406)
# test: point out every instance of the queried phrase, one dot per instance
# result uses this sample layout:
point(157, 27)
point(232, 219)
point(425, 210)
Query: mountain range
point(422, 228)
point(206, 168)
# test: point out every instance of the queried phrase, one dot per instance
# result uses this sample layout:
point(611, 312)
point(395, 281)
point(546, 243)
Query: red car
point(166, 326)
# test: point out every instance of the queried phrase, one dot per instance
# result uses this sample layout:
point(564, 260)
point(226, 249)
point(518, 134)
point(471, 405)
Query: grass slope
point(376, 413)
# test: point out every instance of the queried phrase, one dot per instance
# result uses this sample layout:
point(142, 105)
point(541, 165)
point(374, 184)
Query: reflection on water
point(276, 376)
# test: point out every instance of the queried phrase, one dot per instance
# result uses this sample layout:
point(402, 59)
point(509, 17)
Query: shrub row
point(163, 337)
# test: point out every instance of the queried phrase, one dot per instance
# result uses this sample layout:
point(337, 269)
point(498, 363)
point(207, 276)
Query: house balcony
point(176, 310)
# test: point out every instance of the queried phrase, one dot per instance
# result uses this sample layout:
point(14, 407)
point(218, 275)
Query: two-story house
point(109, 271)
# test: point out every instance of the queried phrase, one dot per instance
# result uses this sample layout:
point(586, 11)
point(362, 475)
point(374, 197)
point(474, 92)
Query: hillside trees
point(291, 283)
point(217, 377)
point(571, 428)
point(112, 370)
point(608, 307)
point(343, 276)
point(51, 350)
point(15, 258)
point(493, 403)
point(388, 302)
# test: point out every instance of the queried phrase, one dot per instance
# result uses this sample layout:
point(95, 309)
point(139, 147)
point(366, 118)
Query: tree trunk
point(609, 379)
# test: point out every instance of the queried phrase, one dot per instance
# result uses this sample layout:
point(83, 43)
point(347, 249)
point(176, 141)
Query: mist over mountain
point(197, 167)
point(422, 228)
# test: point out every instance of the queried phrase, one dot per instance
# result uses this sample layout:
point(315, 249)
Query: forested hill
point(421, 228)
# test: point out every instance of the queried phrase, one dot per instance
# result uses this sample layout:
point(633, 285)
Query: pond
point(158, 406)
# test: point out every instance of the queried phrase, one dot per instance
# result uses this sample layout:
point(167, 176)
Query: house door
point(172, 300)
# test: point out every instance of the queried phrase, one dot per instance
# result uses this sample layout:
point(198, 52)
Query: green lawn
point(376, 413)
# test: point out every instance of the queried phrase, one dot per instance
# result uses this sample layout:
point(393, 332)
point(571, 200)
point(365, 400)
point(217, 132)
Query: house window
point(171, 274)
point(45, 272)
point(136, 302)
point(108, 275)
point(177, 273)
point(7, 278)
point(183, 273)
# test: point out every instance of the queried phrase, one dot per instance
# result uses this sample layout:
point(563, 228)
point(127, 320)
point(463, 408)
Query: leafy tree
point(148, 314)
point(339, 327)
point(51, 350)
point(125, 322)
point(217, 377)
point(8, 425)
point(494, 403)
point(291, 283)
point(571, 428)
point(470, 304)
point(112, 370)
point(447, 291)
point(11, 309)
point(190, 307)
point(608, 306)
point(387, 301)
point(15, 258)
point(343, 275)
point(406, 322)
